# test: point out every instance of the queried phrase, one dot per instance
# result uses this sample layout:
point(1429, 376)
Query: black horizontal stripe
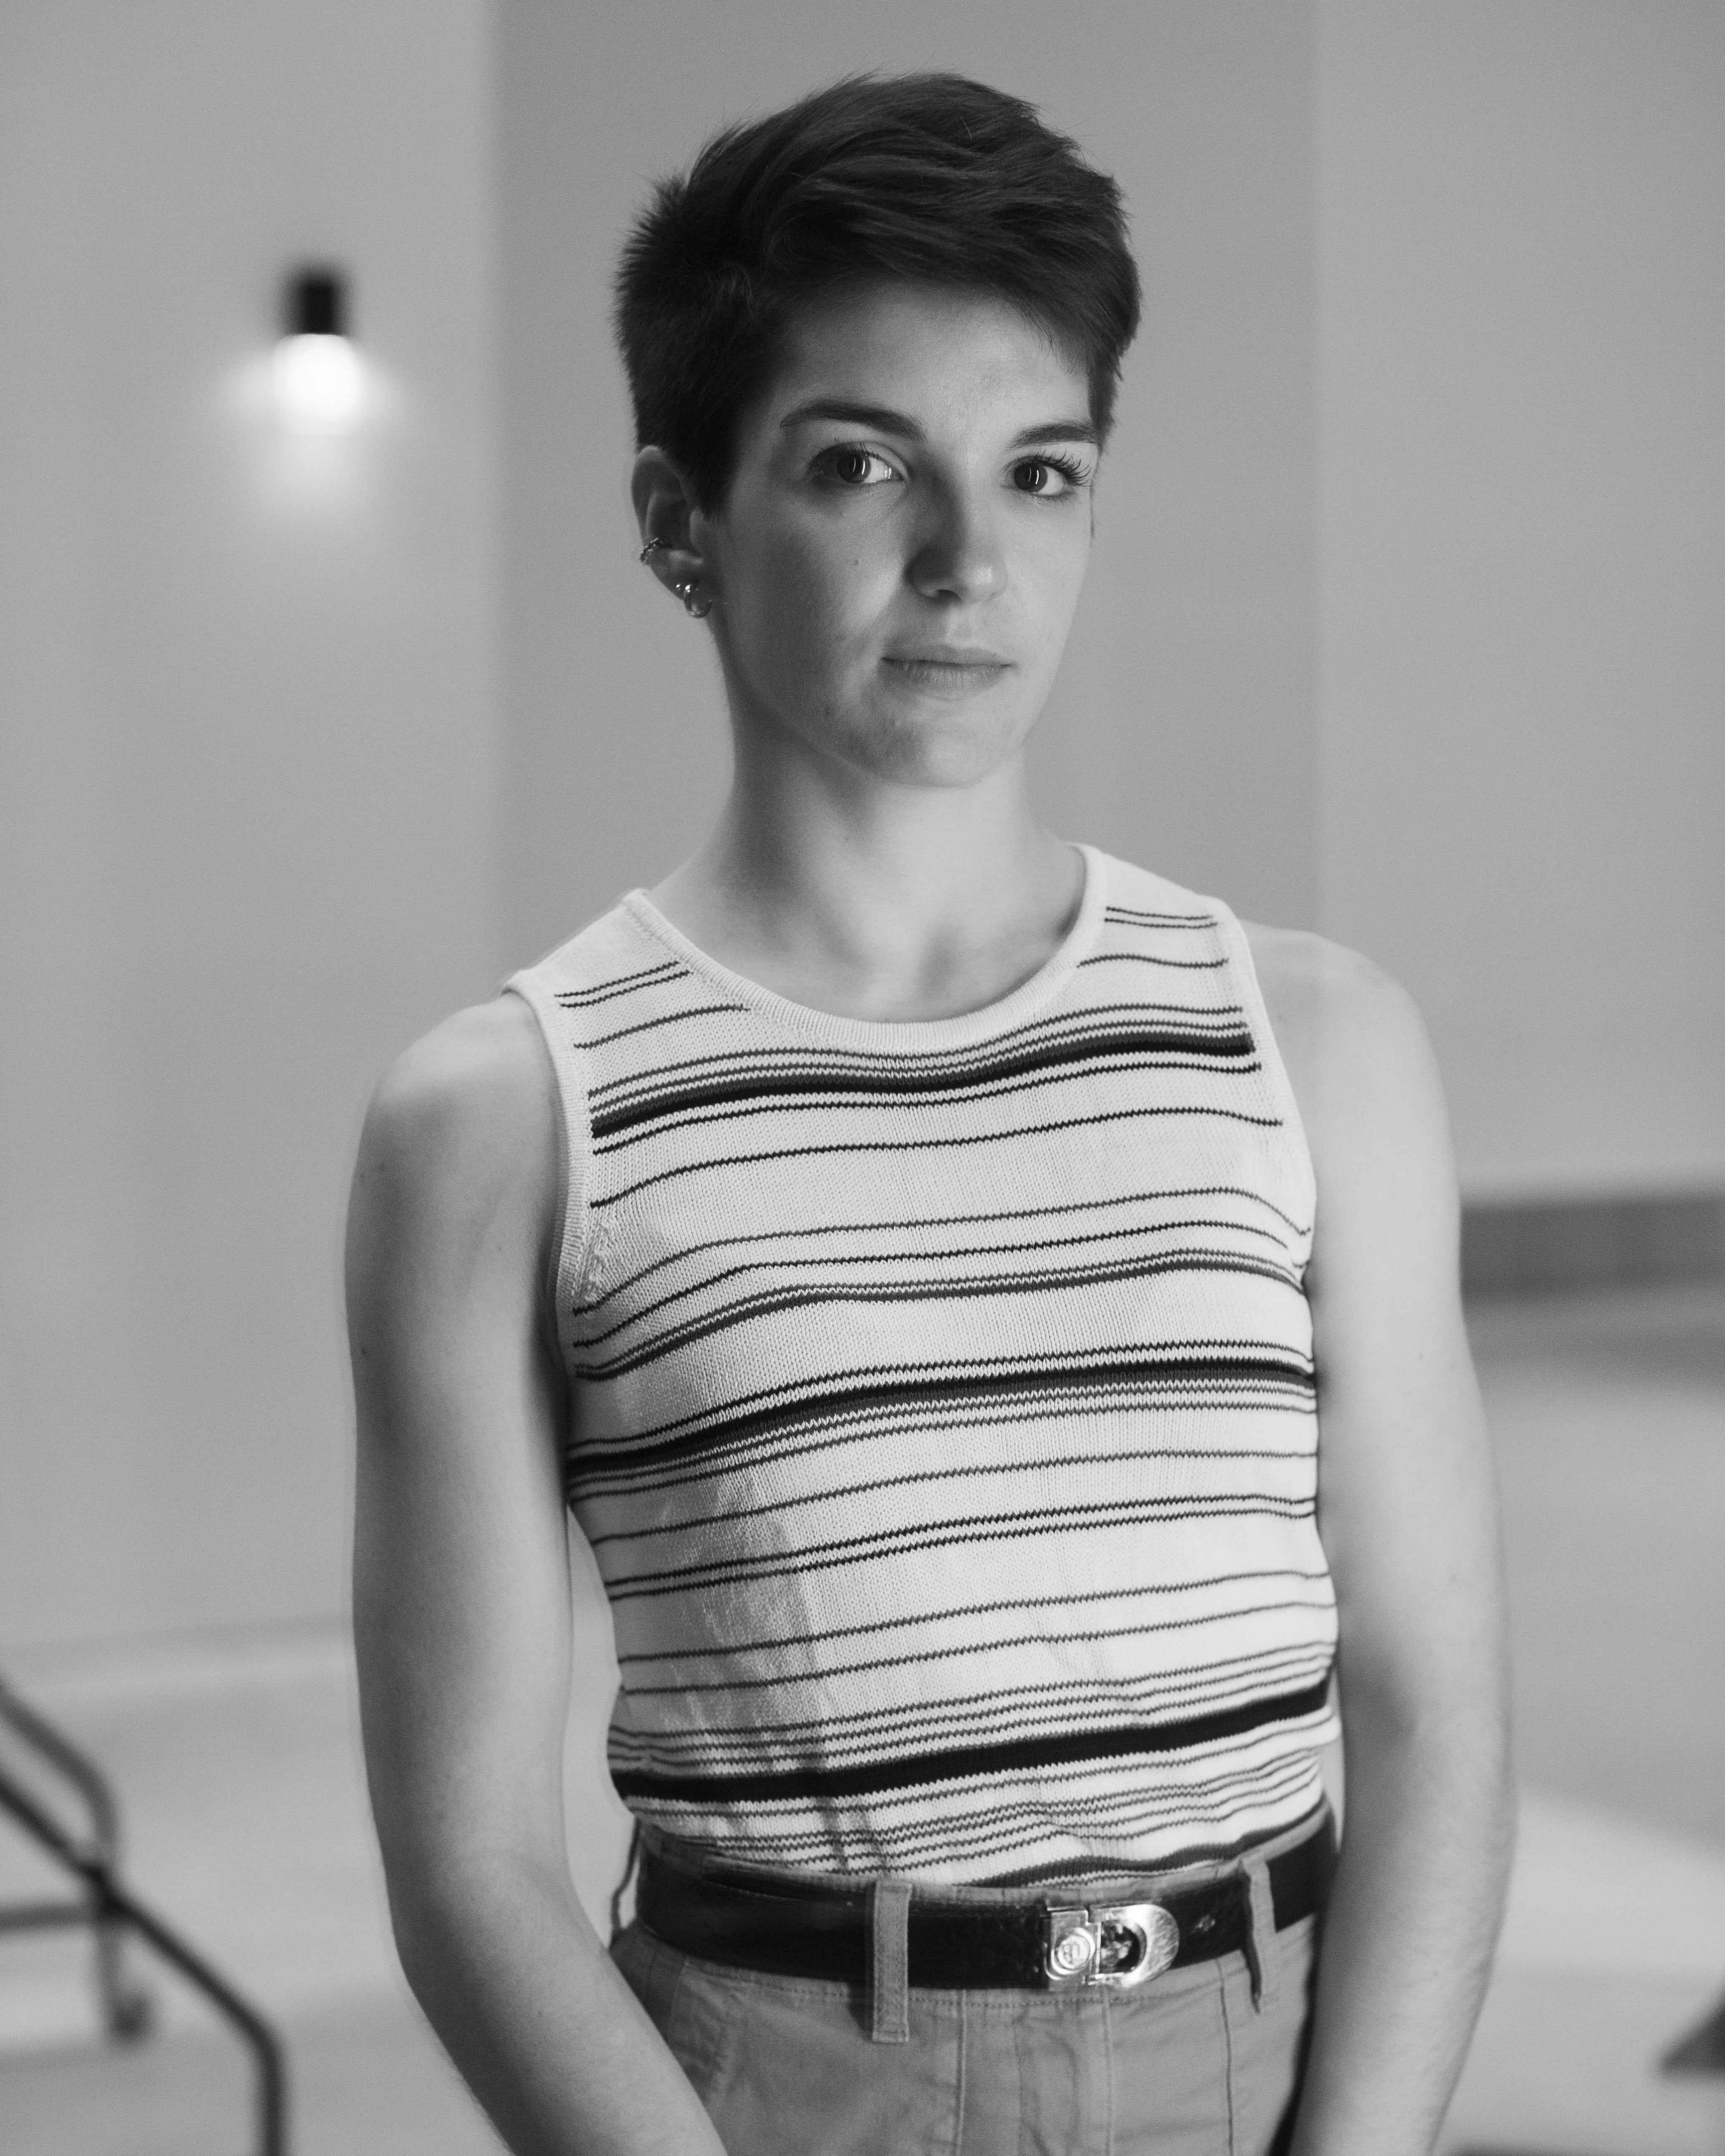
point(665, 1018)
point(1117, 1795)
point(892, 1089)
point(769, 1302)
point(906, 1704)
point(923, 1254)
point(1223, 1358)
point(1050, 1710)
point(656, 1129)
point(785, 1405)
point(1151, 958)
point(596, 1488)
point(591, 1490)
point(1000, 1473)
point(1138, 917)
point(773, 1049)
point(947, 1616)
point(753, 1160)
point(977, 1817)
point(971, 1530)
point(917, 1223)
point(1025, 1755)
point(1099, 1680)
point(1106, 1683)
point(774, 1052)
point(978, 1812)
point(974, 1732)
point(622, 984)
point(1007, 1823)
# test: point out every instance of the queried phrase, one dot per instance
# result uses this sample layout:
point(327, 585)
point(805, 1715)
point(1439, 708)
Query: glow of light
point(319, 383)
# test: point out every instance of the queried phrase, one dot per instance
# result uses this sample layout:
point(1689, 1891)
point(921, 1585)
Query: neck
point(881, 901)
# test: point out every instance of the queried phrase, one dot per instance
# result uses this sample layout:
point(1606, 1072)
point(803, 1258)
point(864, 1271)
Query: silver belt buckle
point(1117, 1944)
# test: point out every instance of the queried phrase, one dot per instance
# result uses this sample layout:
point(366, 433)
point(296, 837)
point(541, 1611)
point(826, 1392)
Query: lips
point(949, 673)
point(946, 655)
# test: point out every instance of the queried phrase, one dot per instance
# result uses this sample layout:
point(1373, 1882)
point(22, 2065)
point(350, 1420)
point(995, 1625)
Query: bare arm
point(461, 1602)
point(1407, 1508)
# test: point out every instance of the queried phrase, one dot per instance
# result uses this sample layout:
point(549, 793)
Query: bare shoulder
point(1356, 1048)
point(480, 1078)
point(1321, 995)
point(461, 1131)
point(1366, 1081)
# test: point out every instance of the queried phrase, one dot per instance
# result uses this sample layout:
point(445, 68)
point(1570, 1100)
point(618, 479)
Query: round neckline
point(840, 1028)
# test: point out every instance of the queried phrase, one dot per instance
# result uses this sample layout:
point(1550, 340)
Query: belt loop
point(1260, 1934)
point(890, 1961)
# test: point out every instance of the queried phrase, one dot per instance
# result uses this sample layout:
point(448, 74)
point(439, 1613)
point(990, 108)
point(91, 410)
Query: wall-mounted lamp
point(318, 380)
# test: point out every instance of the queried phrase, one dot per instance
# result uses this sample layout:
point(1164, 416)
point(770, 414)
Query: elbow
point(442, 1915)
point(1453, 1747)
point(426, 1928)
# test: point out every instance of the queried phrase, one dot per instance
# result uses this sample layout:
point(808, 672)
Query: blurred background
point(1406, 623)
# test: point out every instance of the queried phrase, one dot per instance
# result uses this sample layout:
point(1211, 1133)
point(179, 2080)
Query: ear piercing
point(698, 608)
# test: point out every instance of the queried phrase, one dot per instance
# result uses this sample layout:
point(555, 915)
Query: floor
point(238, 1765)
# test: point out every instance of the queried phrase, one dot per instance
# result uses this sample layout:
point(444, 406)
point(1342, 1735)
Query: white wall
point(246, 797)
point(1182, 730)
point(1522, 511)
point(1430, 381)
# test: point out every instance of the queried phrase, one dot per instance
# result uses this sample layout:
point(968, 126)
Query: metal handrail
point(126, 2007)
point(111, 1903)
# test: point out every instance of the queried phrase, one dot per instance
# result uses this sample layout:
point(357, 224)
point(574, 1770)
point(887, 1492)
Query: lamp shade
point(320, 376)
point(315, 303)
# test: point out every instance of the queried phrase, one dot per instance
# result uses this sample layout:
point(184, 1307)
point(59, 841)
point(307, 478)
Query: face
point(897, 564)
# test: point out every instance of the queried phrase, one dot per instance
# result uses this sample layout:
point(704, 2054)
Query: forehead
point(940, 355)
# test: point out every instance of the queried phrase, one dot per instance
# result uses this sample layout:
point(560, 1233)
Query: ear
point(665, 510)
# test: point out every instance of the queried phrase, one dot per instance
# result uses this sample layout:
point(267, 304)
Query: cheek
point(1056, 577)
point(813, 605)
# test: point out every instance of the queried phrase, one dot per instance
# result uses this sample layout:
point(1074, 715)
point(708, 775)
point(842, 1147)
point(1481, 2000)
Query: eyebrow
point(883, 420)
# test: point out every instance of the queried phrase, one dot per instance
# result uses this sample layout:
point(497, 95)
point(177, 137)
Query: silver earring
point(652, 547)
point(699, 607)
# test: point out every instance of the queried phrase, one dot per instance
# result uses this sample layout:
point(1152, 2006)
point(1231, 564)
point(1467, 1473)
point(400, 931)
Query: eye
point(1049, 475)
point(853, 466)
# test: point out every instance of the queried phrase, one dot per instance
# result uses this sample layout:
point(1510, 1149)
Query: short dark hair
point(930, 179)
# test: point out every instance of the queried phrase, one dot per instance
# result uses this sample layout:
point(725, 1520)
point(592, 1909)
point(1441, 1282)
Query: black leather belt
point(784, 1929)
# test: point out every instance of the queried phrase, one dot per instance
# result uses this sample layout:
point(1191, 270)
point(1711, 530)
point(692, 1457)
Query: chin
point(940, 752)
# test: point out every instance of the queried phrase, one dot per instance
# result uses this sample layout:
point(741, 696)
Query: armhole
point(574, 1252)
point(1240, 953)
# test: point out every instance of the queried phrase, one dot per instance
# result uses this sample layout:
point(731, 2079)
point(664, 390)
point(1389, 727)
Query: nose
point(957, 555)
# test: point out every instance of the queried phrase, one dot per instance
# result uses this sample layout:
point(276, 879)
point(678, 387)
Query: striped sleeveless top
point(942, 1413)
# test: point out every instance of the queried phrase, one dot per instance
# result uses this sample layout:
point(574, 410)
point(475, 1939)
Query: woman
point(908, 1241)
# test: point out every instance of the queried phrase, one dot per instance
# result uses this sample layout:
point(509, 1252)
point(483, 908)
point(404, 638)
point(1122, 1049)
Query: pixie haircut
point(928, 179)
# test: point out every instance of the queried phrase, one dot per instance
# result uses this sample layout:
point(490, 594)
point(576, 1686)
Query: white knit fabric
point(943, 1416)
